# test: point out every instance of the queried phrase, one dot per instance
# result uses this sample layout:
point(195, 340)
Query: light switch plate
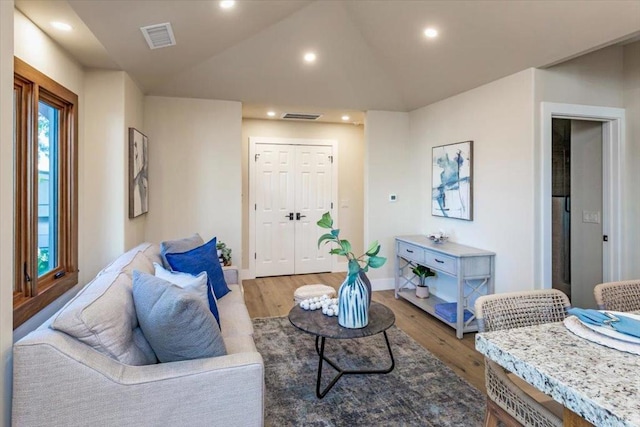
point(591, 217)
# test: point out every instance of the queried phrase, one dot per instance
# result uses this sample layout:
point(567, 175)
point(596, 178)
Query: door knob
point(298, 216)
point(290, 216)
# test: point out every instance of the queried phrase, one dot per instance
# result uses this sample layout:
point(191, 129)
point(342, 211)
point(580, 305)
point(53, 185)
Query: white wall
point(6, 207)
point(104, 168)
point(195, 171)
point(498, 118)
point(350, 198)
point(389, 168)
point(134, 228)
point(592, 79)
point(631, 97)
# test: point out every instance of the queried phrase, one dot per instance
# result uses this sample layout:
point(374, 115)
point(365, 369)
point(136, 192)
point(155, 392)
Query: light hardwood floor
point(273, 296)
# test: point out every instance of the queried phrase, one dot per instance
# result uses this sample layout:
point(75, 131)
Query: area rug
point(420, 391)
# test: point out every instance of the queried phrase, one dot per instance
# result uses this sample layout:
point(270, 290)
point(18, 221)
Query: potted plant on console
point(354, 295)
point(422, 290)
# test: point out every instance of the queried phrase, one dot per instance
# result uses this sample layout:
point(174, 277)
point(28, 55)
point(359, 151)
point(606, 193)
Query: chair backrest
point(518, 309)
point(618, 296)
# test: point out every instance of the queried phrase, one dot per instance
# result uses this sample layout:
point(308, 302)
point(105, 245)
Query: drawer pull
point(410, 251)
point(438, 261)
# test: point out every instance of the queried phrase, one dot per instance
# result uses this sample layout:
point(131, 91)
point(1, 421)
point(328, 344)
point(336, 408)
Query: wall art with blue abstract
point(452, 179)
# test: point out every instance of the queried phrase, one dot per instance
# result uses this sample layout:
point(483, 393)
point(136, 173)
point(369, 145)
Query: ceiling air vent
point(301, 116)
point(159, 35)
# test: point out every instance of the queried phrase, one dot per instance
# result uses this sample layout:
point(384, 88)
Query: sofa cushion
point(103, 316)
point(175, 321)
point(134, 259)
point(234, 316)
point(199, 284)
point(178, 246)
point(197, 260)
point(240, 344)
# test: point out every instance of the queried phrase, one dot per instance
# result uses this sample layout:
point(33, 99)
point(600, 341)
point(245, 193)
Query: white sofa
point(61, 380)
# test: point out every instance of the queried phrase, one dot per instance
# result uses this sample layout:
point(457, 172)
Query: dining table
point(597, 385)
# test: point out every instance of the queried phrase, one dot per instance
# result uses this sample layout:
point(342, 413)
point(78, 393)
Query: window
point(46, 196)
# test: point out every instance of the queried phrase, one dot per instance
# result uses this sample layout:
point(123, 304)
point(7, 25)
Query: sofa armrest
point(231, 275)
point(58, 379)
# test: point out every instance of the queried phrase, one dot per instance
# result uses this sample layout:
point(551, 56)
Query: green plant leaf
point(374, 248)
point(336, 251)
point(335, 232)
point(376, 261)
point(325, 221)
point(346, 246)
point(354, 267)
point(329, 237)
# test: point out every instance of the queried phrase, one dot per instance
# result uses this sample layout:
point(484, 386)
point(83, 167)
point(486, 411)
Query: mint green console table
point(474, 270)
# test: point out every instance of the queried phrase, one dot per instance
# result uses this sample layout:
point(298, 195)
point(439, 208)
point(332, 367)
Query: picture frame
point(452, 181)
point(138, 173)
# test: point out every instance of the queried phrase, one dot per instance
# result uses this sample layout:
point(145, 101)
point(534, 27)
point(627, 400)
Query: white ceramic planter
point(422, 291)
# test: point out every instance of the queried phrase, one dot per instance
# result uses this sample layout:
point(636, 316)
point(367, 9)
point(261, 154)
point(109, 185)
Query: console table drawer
point(411, 252)
point(441, 262)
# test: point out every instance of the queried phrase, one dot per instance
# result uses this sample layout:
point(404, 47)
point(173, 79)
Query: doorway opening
point(577, 201)
point(612, 122)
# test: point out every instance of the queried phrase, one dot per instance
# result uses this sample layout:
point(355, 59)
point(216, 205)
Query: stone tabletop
point(600, 384)
point(314, 322)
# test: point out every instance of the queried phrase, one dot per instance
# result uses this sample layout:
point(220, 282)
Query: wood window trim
point(31, 297)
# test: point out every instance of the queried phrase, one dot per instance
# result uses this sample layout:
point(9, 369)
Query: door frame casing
point(255, 140)
point(613, 144)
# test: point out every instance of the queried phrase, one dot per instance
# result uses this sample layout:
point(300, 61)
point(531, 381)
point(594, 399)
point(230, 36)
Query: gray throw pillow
point(177, 322)
point(179, 246)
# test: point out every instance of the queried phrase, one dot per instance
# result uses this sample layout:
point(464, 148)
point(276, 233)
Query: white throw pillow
point(197, 284)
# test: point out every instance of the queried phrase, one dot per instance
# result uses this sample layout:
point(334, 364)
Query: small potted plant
point(224, 253)
point(422, 290)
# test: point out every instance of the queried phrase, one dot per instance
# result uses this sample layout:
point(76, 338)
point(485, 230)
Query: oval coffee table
point(315, 323)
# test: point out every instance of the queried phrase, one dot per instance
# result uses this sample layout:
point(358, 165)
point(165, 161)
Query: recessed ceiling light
point(61, 26)
point(227, 4)
point(310, 57)
point(431, 33)
point(271, 113)
point(345, 118)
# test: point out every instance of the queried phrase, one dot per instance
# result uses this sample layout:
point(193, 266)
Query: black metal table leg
point(322, 358)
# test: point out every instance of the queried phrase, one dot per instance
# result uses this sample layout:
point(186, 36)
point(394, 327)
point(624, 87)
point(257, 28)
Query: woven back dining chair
point(618, 296)
point(507, 401)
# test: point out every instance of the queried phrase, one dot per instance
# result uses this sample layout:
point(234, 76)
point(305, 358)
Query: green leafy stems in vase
point(369, 259)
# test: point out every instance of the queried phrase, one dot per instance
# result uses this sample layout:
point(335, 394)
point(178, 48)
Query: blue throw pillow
point(199, 284)
point(175, 321)
point(178, 245)
point(203, 258)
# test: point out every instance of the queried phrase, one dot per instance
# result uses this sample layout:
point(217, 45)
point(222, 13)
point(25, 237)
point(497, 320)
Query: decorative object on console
point(138, 173)
point(452, 179)
point(354, 295)
point(422, 290)
point(438, 237)
point(224, 253)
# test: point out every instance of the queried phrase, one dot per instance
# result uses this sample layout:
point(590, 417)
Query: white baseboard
point(383, 284)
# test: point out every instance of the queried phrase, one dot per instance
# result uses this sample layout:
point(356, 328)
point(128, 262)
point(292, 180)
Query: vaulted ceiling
point(371, 55)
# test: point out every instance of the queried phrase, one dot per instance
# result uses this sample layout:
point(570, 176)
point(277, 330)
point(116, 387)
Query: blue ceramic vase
point(353, 302)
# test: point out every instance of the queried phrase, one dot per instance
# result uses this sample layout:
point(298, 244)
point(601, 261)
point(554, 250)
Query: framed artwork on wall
point(452, 181)
point(138, 173)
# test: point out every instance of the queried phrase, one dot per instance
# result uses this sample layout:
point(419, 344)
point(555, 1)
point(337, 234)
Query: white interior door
point(275, 226)
point(312, 199)
point(293, 189)
point(586, 211)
